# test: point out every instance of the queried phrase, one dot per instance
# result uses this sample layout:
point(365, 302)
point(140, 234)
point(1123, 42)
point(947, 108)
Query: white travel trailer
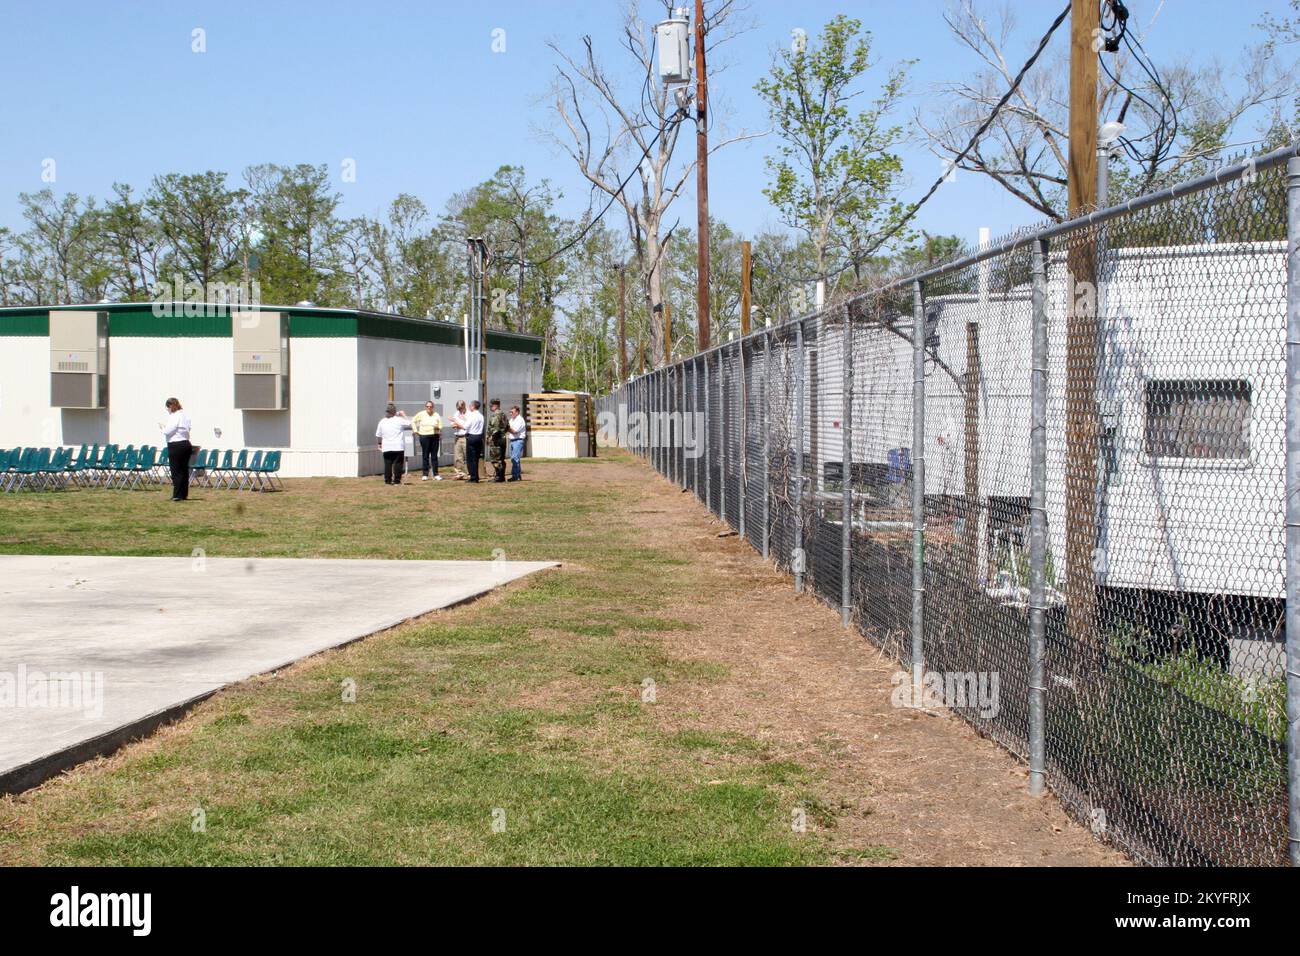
point(1191, 399)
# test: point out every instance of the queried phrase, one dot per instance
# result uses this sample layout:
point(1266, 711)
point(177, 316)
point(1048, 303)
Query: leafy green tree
point(201, 220)
point(523, 236)
point(290, 213)
point(681, 284)
point(835, 173)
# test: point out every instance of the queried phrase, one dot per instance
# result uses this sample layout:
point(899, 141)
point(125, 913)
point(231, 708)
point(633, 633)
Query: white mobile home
point(307, 380)
point(1190, 391)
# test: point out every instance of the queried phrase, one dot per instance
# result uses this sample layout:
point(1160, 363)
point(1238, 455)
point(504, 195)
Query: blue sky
point(415, 95)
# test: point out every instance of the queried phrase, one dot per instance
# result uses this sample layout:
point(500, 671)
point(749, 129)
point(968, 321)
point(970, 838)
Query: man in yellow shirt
point(427, 425)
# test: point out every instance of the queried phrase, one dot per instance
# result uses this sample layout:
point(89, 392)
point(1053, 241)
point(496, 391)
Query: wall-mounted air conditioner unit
point(261, 341)
point(78, 359)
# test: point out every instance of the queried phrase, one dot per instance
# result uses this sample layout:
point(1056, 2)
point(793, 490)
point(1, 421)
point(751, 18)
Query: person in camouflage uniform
point(498, 427)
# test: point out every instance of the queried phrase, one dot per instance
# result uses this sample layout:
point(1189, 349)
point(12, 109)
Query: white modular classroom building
point(309, 381)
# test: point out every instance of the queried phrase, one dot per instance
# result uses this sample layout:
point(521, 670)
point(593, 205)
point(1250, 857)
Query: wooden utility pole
point(701, 181)
point(1082, 174)
point(1081, 440)
point(746, 275)
point(622, 322)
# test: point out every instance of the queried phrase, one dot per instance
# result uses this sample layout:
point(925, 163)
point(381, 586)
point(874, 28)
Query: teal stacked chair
point(118, 468)
point(200, 462)
point(97, 473)
point(55, 473)
point(238, 471)
point(221, 473)
point(162, 469)
point(142, 468)
point(31, 469)
point(268, 475)
point(250, 477)
point(77, 467)
point(13, 474)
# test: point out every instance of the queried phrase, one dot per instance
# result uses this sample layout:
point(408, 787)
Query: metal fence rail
point(1051, 478)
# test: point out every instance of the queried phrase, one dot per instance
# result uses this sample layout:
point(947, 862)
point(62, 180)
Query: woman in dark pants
point(177, 433)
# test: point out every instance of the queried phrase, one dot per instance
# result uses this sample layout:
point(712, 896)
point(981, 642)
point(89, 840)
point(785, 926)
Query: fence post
point(797, 559)
point(665, 424)
point(743, 484)
point(1293, 504)
point(697, 430)
point(918, 490)
point(1038, 523)
point(708, 402)
point(765, 420)
point(722, 436)
point(681, 383)
point(846, 474)
point(663, 431)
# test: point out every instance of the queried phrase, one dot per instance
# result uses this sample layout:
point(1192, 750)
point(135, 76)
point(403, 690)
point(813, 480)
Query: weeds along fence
point(1051, 479)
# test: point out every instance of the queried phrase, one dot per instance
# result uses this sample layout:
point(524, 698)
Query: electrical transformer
point(261, 346)
point(671, 37)
point(78, 359)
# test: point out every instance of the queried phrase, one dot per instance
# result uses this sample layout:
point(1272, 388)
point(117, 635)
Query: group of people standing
point(496, 435)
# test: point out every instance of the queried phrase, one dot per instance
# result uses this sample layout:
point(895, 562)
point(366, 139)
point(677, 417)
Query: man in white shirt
point(459, 469)
point(473, 439)
point(176, 432)
point(518, 432)
point(392, 442)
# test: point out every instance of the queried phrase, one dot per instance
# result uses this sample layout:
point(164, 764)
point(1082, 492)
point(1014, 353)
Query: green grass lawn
point(524, 708)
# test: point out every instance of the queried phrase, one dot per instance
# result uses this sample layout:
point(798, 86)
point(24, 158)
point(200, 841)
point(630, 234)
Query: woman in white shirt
point(518, 432)
point(176, 432)
point(392, 443)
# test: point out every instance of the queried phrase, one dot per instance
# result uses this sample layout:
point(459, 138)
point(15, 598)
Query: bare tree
point(1025, 149)
point(608, 126)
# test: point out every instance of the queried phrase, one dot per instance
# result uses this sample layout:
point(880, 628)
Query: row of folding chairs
point(108, 466)
point(242, 470)
point(47, 469)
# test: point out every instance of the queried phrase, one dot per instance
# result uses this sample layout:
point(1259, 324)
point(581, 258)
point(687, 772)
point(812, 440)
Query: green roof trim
point(24, 323)
point(514, 342)
point(141, 323)
point(377, 326)
point(137, 320)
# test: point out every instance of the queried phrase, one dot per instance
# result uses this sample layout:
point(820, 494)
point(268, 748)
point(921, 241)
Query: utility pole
point(701, 182)
point(1082, 174)
point(746, 277)
point(622, 322)
point(1081, 422)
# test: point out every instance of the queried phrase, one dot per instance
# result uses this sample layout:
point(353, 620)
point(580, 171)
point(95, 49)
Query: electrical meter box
point(78, 359)
point(261, 346)
point(672, 38)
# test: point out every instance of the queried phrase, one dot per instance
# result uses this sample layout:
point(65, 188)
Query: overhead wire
point(864, 257)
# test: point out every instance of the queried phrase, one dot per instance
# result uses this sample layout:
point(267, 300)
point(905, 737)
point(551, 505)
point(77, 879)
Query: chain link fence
point(1050, 479)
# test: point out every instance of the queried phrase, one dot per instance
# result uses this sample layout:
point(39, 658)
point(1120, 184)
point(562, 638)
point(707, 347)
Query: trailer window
point(1198, 418)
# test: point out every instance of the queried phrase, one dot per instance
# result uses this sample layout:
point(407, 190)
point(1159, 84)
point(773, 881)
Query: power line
point(979, 133)
point(672, 120)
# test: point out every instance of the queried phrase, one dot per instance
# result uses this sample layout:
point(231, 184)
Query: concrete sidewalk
point(135, 642)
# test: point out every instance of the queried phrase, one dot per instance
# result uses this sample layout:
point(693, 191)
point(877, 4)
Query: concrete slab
point(96, 651)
